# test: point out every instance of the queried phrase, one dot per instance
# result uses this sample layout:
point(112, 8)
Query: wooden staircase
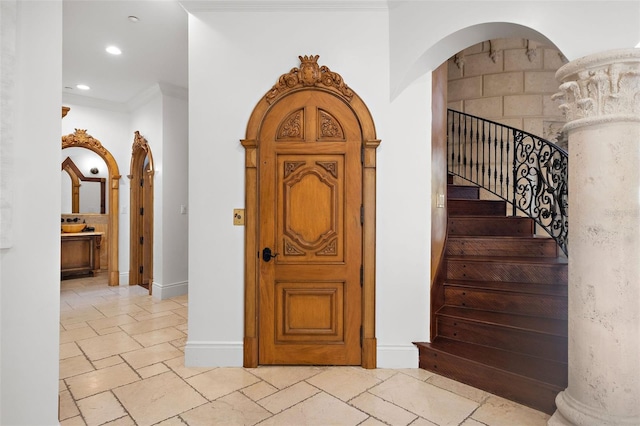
point(499, 310)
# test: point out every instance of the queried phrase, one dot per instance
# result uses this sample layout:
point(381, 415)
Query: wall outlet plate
point(238, 217)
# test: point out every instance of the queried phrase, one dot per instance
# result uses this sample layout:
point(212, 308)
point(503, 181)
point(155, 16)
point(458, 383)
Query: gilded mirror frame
point(81, 139)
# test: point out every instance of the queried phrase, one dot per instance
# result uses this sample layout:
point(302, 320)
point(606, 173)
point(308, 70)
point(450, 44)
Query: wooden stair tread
point(521, 322)
point(501, 245)
point(510, 259)
point(514, 287)
point(542, 370)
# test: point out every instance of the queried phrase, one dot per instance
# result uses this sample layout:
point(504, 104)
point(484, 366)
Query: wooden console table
point(80, 253)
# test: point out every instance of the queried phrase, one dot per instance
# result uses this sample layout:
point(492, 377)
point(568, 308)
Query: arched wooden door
point(306, 232)
point(141, 217)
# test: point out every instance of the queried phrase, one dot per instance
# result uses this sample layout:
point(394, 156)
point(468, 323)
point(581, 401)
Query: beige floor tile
point(372, 422)
point(155, 305)
point(74, 421)
point(67, 350)
point(221, 381)
point(155, 337)
point(177, 365)
point(109, 322)
point(233, 409)
point(108, 345)
point(282, 377)
point(117, 310)
point(107, 362)
point(74, 325)
point(173, 421)
point(259, 390)
point(434, 404)
point(498, 411)
point(288, 397)
point(73, 366)
point(423, 422)
point(471, 422)
point(179, 343)
point(320, 409)
point(68, 407)
point(109, 330)
point(98, 381)
point(458, 388)
point(146, 315)
point(383, 410)
point(151, 355)
point(158, 398)
point(77, 334)
point(381, 373)
point(344, 382)
point(183, 312)
point(123, 421)
point(417, 373)
point(101, 408)
point(152, 370)
point(153, 324)
point(80, 315)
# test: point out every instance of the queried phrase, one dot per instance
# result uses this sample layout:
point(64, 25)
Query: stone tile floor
point(122, 363)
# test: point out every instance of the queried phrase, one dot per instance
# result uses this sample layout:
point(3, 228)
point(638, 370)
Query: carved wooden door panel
point(310, 197)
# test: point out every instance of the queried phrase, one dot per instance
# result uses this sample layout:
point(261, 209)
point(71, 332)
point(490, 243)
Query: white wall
point(30, 263)
point(235, 57)
point(385, 56)
point(160, 114)
point(173, 170)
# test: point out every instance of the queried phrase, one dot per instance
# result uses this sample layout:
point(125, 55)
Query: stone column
point(601, 100)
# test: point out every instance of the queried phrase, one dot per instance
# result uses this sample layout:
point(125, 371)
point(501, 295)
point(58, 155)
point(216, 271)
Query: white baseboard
point(213, 354)
point(230, 354)
point(397, 356)
point(124, 278)
point(165, 291)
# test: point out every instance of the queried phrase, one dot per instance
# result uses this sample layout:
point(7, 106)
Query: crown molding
point(195, 6)
point(160, 88)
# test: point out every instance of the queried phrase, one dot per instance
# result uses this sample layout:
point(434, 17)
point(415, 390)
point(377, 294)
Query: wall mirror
point(83, 180)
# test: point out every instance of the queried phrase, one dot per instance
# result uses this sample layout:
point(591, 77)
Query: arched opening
point(81, 139)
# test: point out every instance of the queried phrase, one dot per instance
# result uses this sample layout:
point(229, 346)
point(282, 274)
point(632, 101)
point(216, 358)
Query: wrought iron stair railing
point(528, 172)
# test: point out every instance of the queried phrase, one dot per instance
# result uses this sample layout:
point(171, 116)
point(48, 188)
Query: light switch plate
point(238, 217)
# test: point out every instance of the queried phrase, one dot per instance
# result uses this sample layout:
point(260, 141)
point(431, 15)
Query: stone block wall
point(509, 81)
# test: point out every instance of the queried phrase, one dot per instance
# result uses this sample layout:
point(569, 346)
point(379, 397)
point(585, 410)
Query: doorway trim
point(139, 151)
point(81, 139)
point(323, 79)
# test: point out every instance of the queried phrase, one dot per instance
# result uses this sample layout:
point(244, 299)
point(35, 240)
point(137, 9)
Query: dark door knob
point(267, 254)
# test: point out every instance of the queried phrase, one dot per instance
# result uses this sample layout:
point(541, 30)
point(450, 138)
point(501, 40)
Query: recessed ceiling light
point(83, 87)
point(113, 50)
point(133, 18)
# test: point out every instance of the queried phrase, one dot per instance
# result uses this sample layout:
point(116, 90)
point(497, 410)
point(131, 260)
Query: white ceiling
point(154, 50)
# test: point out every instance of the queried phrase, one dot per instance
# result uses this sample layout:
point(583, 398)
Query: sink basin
point(73, 227)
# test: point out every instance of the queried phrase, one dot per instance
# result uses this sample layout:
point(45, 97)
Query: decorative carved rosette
point(82, 139)
point(309, 74)
point(600, 88)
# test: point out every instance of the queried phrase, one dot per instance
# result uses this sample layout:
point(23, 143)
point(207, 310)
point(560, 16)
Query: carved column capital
point(600, 88)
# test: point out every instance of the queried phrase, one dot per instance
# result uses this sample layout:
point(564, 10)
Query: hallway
point(121, 363)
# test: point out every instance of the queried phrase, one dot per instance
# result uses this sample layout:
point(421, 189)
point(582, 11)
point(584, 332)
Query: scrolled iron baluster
point(539, 169)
